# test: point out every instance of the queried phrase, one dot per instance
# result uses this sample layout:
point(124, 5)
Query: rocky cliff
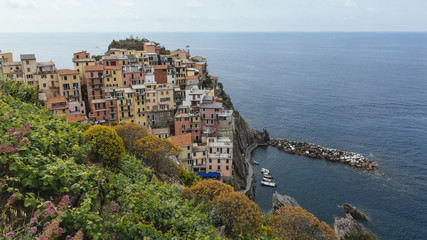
point(243, 139)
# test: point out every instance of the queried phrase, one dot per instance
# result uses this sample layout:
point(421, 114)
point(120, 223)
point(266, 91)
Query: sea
point(359, 92)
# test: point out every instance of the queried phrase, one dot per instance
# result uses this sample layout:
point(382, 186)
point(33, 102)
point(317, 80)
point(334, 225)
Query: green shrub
point(106, 145)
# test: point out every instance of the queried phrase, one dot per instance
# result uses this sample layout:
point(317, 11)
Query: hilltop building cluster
point(169, 92)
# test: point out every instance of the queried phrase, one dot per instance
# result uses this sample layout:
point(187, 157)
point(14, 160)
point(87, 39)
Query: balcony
point(96, 77)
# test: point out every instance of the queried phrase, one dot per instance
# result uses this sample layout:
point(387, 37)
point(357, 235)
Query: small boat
point(268, 176)
point(268, 184)
point(256, 163)
point(265, 171)
point(267, 180)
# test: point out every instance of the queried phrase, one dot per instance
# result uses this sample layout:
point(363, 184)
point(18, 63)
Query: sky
point(212, 15)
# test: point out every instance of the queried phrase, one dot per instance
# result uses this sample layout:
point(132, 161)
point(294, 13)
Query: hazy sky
point(212, 15)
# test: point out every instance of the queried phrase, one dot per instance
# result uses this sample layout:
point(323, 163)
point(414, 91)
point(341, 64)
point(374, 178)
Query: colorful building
point(69, 84)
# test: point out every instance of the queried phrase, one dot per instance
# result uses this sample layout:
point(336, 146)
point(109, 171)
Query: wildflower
point(47, 204)
point(46, 224)
point(65, 202)
point(34, 230)
point(68, 237)
point(37, 213)
point(58, 232)
point(24, 141)
point(50, 211)
point(11, 131)
point(9, 235)
point(34, 219)
point(11, 199)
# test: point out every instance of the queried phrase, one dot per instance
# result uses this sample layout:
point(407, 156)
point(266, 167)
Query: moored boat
point(268, 184)
point(267, 176)
point(256, 163)
point(265, 171)
point(267, 180)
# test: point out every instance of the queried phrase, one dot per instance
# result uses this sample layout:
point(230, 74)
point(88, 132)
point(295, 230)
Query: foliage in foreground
point(41, 160)
point(107, 146)
point(296, 223)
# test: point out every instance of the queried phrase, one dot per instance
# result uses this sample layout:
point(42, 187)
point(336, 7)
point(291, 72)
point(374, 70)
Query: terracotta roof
point(113, 68)
point(181, 140)
point(67, 72)
point(94, 68)
point(76, 117)
point(56, 99)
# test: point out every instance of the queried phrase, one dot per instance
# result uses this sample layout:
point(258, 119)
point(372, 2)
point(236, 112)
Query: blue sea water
point(360, 92)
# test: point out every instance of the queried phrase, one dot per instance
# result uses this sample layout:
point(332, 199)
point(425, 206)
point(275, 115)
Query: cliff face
point(243, 138)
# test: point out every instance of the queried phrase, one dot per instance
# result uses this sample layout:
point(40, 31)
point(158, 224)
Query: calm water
point(361, 92)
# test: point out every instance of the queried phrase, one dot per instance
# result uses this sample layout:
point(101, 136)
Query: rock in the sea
point(280, 200)
point(347, 224)
point(355, 213)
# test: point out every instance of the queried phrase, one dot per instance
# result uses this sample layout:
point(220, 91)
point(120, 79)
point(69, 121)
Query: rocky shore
point(316, 151)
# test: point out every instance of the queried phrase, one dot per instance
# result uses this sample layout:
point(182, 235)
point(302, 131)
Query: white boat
point(265, 171)
point(256, 163)
point(267, 180)
point(267, 176)
point(268, 184)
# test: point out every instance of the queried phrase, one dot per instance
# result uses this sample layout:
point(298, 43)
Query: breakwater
point(319, 152)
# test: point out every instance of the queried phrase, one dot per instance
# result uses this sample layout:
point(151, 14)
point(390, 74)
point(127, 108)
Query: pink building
point(133, 78)
point(220, 156)
point(209, 111)
point(58, 105)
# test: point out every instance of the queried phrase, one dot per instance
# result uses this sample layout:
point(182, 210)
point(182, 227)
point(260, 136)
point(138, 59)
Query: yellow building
point(113, 76)
point(69, 84)
point(80, 60)
point(139, 105)
point(199, 156)
point(13, 70)
point(47, 79)
point(29, 67)
point(126, 104)
point(142, 57)
point(184, 157)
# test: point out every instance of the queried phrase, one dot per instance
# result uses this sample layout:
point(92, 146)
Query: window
point(219, 160)
point(77, 64)
point(188, 147)
point(210, 160)
point(28, 69)
point(227, 168)
point(210, 150)
point(28, 62)
point(194, 154)
point(77, 56)
point(74, 77)
point(188, 155)
point(227, 161)
point(219, 168)
point(65, 77)
point(210, 167)
point(204, 153)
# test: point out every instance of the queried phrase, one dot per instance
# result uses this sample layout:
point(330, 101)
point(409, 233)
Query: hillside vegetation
point(76, 181)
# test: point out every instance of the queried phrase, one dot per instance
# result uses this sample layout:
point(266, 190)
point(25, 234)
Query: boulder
point(280, 200)
point(355, 213)
point(347, 224)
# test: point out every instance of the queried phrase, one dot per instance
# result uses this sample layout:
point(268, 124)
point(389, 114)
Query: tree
point(241, 216)
point(296, 223)
point(106, 145)
point(130, 134)
point(207, 190)
point(158, 153)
